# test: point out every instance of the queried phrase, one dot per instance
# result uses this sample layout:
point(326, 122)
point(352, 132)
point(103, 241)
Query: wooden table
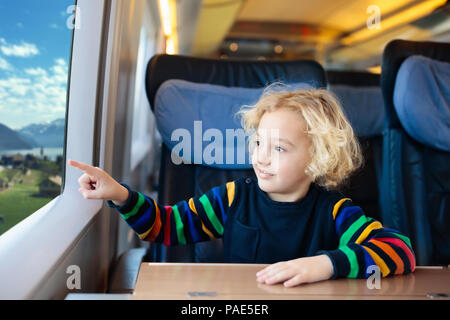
point(193, 281)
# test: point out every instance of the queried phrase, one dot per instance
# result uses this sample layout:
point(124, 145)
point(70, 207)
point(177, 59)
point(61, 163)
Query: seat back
point(415, 189)
point(362, 101)
point(181, 181)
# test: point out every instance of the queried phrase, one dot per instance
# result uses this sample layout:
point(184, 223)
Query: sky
point(35, 46)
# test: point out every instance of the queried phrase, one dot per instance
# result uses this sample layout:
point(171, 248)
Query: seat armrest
point(125, 272)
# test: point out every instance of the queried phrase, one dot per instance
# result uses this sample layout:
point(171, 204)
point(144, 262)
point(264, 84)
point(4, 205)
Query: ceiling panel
point(344, 15)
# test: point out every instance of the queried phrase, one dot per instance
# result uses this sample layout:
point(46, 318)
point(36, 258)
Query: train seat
point(415, 193)
point(362, 101)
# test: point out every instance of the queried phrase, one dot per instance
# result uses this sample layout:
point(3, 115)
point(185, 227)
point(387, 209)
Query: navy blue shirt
point(261, 230)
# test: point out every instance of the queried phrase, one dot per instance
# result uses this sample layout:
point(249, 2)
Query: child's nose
point(263, 157)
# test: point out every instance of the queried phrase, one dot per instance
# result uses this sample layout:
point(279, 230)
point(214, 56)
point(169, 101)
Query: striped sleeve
point(197, 219)
point(364, 242)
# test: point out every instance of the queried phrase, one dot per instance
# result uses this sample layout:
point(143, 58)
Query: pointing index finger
point(82, 166)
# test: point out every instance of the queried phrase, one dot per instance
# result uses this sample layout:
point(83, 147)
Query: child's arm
point(364, 242)
point(197, 219)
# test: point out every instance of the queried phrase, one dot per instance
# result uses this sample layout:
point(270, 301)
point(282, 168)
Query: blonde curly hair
point(335, 151)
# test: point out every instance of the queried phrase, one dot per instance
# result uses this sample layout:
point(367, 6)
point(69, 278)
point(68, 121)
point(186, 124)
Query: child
point(291, 215)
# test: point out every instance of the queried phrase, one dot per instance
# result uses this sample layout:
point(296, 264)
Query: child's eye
point(280, 149)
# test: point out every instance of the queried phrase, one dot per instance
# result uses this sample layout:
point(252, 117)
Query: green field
point(21, 199)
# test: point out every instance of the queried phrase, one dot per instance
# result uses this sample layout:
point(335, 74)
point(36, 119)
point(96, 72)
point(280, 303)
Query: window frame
point(141, 137)
point(45, 237)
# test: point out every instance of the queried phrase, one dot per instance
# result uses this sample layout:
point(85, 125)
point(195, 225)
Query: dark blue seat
point(360, 95)
point(182, 181)
point(415, 193)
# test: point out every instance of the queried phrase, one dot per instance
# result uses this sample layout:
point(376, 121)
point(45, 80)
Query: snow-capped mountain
point(50, 134)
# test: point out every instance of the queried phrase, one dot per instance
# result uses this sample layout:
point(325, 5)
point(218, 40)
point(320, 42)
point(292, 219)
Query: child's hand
point(97, 184)
point(297, 271)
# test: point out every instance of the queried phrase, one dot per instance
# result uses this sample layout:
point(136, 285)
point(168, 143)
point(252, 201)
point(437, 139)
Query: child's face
point(282, 150)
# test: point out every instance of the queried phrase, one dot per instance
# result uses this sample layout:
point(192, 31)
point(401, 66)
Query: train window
point(35, 53)
point(46, 235)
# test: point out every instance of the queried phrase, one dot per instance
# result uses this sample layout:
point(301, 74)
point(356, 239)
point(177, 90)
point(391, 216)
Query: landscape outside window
point(35, 50)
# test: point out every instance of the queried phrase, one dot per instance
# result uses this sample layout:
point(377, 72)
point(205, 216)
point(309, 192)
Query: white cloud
point(36, 72)
point(5, 65)
point(3, 93)
point(16, 86)
point(23, 50)
point(34, 95)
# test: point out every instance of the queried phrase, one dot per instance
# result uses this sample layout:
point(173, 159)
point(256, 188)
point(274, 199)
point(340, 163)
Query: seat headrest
point(197, 122)
point(394, 54)
point(364, 108)
point(353, 78)
point(422, 100)
point(229, 72)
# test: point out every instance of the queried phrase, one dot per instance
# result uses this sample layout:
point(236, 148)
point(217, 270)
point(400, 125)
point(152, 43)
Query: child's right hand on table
point(97, 184)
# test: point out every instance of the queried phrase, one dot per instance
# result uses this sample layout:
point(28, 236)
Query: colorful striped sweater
point(257, 229)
